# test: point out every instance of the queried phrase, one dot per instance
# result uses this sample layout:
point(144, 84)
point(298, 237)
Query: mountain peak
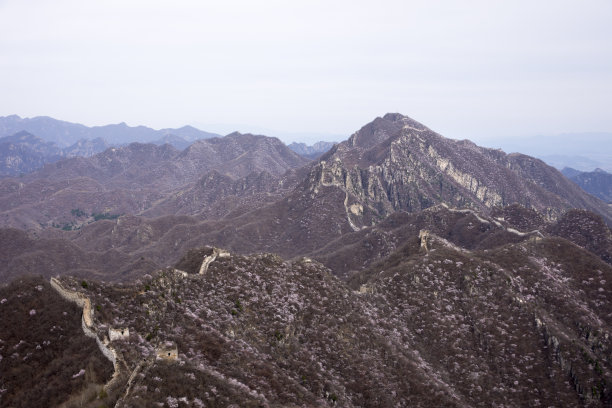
point(382, 128)
point(404, 120)
point(396, 163)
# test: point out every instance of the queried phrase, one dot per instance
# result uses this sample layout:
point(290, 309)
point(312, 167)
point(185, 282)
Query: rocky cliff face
point(396, 163)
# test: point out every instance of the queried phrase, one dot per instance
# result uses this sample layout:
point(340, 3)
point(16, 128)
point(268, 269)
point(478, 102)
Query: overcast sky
point(467, 69)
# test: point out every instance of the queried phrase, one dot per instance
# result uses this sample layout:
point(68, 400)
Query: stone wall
point(87, 323)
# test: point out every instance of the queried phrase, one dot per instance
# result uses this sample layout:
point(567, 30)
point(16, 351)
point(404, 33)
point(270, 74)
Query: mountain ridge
point(133, 178)
point(396, 163)
point(237, 272)
point(67, 133)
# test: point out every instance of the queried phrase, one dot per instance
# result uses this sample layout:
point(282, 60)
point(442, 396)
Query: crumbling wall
point(118, 334)
point(221, 253)
point(87, 324)
point(167, 351)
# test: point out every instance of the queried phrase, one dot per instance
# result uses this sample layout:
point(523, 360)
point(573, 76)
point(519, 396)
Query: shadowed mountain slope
point(46, 359)
point(535, 312)
point(134, 245)
point(516, 325)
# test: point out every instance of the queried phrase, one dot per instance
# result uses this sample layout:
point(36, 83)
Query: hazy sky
point(467, 69)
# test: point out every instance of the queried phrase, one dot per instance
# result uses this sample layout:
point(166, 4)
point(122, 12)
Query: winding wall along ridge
point(87, 324)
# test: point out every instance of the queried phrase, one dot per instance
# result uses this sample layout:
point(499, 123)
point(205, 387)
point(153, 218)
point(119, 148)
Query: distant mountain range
point(24, 152)
point(26, 144)
point(584, 151)
point(65, 134)
point(597, 182)
point(311, 152)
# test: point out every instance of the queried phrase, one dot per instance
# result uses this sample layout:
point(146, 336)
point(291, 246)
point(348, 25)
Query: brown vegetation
point(45, 357)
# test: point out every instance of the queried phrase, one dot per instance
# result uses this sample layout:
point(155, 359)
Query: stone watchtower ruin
point(118, 334)
point(167, 351)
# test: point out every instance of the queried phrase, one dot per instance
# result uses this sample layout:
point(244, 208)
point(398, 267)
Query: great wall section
point(87, 323)
point(123, 377)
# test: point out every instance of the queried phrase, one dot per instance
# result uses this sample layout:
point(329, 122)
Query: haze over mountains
point(583, 151)
point(312, 152)
point(485, 275)
point(26, 144)
point(597, 182)
point(67, 133)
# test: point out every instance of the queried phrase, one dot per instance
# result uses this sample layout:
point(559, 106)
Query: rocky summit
point(400, 268)
point(395, 163)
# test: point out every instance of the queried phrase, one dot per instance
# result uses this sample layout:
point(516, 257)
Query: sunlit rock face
point(395, 163)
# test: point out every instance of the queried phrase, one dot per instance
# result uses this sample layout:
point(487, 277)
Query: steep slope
point(45, 358)
point(137, 164)
point(267, 333)
point(520, 325)
point(586, 230)
point(135, 178)
point(117, 181)
point(23, 255)
point(355, 251)
point(215, 195)
point(239, 155)
point(390, 165)
point(395, 163)
point(114, 166)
